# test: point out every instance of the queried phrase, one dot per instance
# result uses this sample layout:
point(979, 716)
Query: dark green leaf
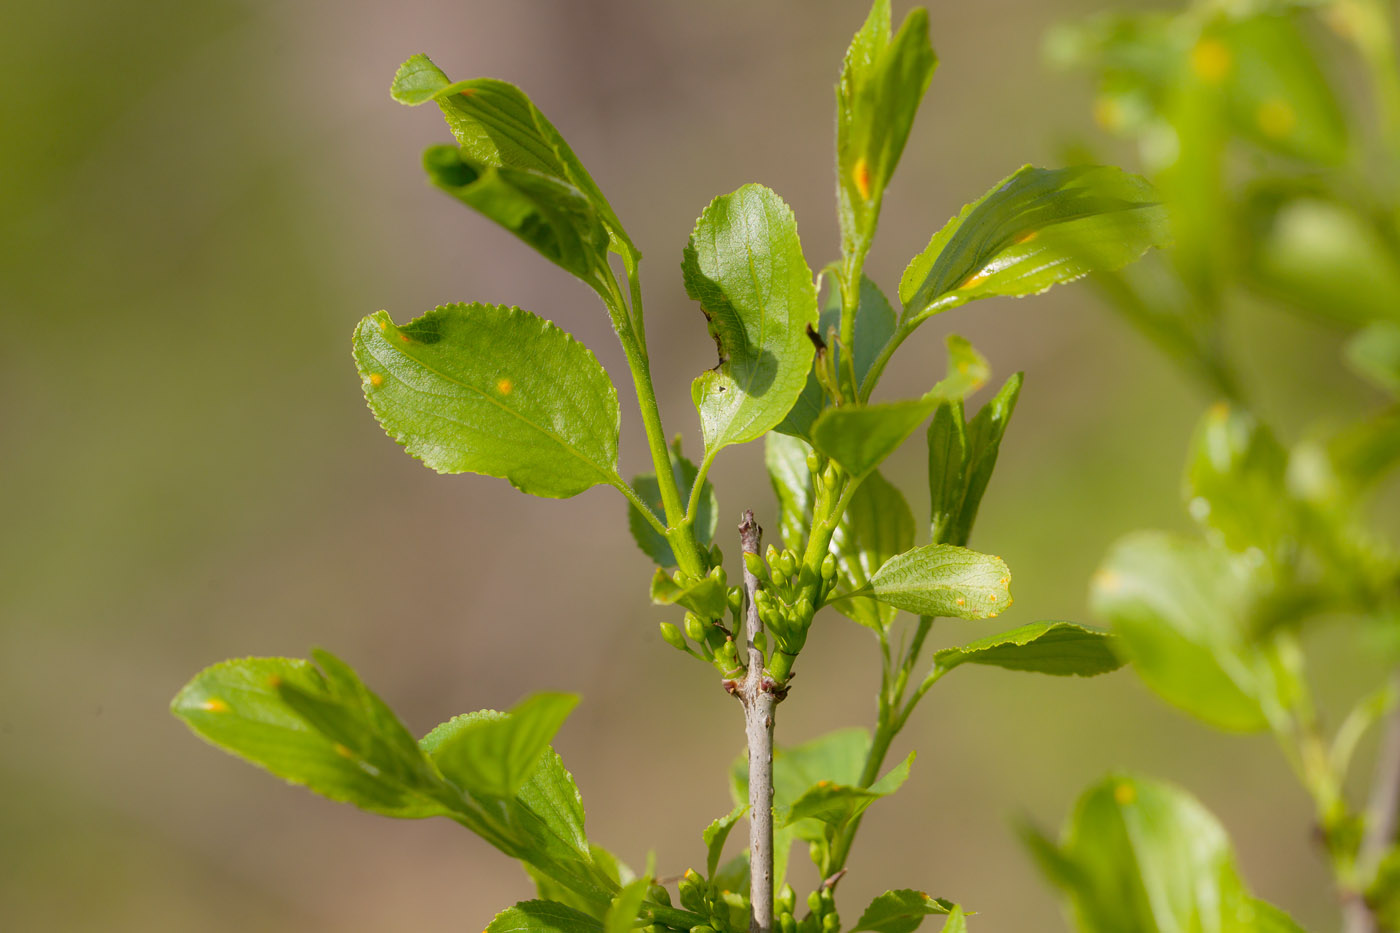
point(651, 541)
point(495, 756)
point(786, 460)
point(715, 835)
point(1044, 647)
point(1182, 611)
point(947, 470)
point(494, 390)
point(1039, 227)
point(860, 437)
point(497, 124)
point(543, 917)
point(550, 215)
point(241, 706)
point(874, 325)
point(744, 265)
point(876, 526)
point(900, 911)
point(982, 438)
point(1144, 856)
point(943, 580)
point(881, 85)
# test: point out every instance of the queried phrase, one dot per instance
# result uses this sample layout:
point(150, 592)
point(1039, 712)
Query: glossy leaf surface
point(837, 804)
point(242, 707)
point(901, 911)
point(943, 580)
point(494, 390)
point(705, 596)
point(882, 82)
point(543, 917)
point(744, 265)
point(495, 756)
point(496, 124)
point(1235, 485)
point(961, 458)
point(1061, 648)
point(1038, 228)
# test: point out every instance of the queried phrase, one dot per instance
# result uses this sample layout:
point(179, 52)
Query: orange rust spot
point(976, 278)
point(1210, 60)
point(383, 326)
point(961, 601)
point(214, 705)
point(504, 386)
point(375, 379)
point(861, 175)
point(823, 783)
point(403, 337)
point(991, 597)
point(274, 681)
point(1125, 793)
point(343, 752)
point(467, 92)
point(1027, 236)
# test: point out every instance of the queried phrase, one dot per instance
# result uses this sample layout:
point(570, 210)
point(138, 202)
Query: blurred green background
point(197, 203)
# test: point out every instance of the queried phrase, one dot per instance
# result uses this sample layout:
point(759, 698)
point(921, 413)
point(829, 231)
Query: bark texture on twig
point(758, 696)
point(1382, 820)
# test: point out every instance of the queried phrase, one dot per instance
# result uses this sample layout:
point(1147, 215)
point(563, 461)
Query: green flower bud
point(831, 924)
point(829, 567)
point(760, 641)
point(814, 462)
point(788, 563)
point(694, 627)
point(771, 555)
point(659, 895)
point(755, 565)
point(803, 609)
point(786, 900)
point(787, 923)
point(717, 573)
point(673, 636)
point(829, 476)
point(735, 598)
point(817, 853)
point(702, 928)
point(716, 556)
point(814, 900)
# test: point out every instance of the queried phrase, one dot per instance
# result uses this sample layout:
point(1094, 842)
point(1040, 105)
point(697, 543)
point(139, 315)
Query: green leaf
point(875, 324)
point(943, 580)
point(242, 707)
point(495, 756)
point(882, 83)
point(497, 124)
point(1038, 228)
point(1279, 95)
point(786, 460)
point(956, 922)
point(900, 911)
point(1144, 856)
point(1375, 354)
point(622, 915)
point(651, 541)
point(1061, 648)
point(744, 265)
point(961, 461)
point(494, 390)
point(715, 835)
point(860, 437)
point(1235, 486)
point(968, 370)
point(705, 596)
point(543, 917)
point(838, 804)
point(1182, 611)
point(550, 215)
point(1325, 258)
point(876, 526)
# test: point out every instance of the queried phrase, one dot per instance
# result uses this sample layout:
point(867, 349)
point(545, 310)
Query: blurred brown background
point(197, 203)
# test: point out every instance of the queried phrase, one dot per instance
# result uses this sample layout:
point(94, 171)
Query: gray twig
point(760, 701)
